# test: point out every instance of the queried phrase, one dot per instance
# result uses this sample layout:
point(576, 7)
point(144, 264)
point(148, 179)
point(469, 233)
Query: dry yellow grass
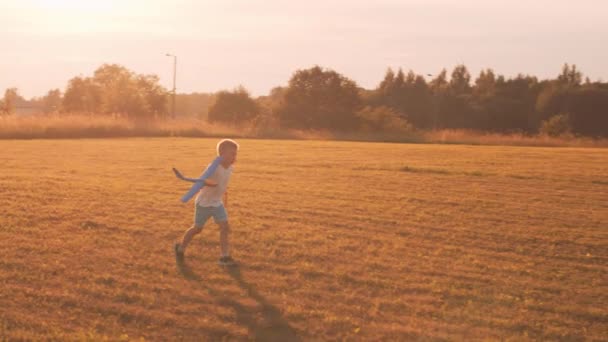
point(78, 125)
point(463, 136)
point(335, 240)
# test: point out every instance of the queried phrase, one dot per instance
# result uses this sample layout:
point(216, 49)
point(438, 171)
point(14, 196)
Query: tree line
point(323, 99)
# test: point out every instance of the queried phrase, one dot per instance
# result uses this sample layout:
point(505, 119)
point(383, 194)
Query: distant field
point(335, 240)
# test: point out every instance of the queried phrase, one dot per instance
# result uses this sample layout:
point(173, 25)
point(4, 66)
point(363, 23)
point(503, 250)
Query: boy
point(209, 203)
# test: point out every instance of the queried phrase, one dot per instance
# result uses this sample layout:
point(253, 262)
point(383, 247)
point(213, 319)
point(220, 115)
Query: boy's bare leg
point(224, 243)
point(188, 235)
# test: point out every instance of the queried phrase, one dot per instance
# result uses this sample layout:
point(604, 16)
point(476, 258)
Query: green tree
point(153, 95)
point(509, 107)
point(233, 107)
point(440, 82)
point(587, 104)
point(570, 76)
point(455, 105)
point(387, 92)
point(319, 98)
point(51, 102)
point(82, 95)
point(419, 99)
point(439, 89)
point(269, 106)
point(388, 82)
point(588, 108)
point(460, 82)
point(10, 101)
point(114, 89)
point(485, 84)
point(409, 95)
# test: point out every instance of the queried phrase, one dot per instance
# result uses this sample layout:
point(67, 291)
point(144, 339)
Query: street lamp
point(174, 75)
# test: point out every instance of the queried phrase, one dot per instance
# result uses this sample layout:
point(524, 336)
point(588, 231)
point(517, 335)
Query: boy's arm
point(226, 198)
point(198, 185)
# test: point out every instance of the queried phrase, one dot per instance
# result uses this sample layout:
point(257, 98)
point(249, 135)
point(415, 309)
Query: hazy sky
point(259, 43)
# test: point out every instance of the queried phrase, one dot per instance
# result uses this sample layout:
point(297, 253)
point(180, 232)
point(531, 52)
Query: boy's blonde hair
point(224, 143)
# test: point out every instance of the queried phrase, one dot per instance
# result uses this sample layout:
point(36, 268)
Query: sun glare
point(74, 5)
point(77, 16)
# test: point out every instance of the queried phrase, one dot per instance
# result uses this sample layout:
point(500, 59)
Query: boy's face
point(228, 155)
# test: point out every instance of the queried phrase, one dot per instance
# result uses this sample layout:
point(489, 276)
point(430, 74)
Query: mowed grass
point(335, 240)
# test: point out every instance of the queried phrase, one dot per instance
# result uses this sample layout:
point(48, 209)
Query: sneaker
point(226, 261)
point(178, 251)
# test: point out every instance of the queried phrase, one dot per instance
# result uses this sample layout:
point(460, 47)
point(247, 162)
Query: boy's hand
point(210, 183)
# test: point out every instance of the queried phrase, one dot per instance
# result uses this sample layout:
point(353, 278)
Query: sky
point(259, 44)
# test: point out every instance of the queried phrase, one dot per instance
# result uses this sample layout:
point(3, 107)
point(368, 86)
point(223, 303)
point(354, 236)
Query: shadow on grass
point(272, 326)
point(185, 270)
point(264, 322)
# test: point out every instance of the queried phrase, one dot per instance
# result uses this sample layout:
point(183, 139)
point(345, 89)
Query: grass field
point(335, 240)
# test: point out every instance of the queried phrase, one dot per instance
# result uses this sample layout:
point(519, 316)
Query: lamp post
point(174, 76)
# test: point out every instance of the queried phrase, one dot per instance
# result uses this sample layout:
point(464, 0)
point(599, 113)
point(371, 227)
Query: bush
point(383, 119)
point(557, 125)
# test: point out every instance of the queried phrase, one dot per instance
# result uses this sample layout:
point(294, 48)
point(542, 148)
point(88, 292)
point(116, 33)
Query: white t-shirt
point(211, 196)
